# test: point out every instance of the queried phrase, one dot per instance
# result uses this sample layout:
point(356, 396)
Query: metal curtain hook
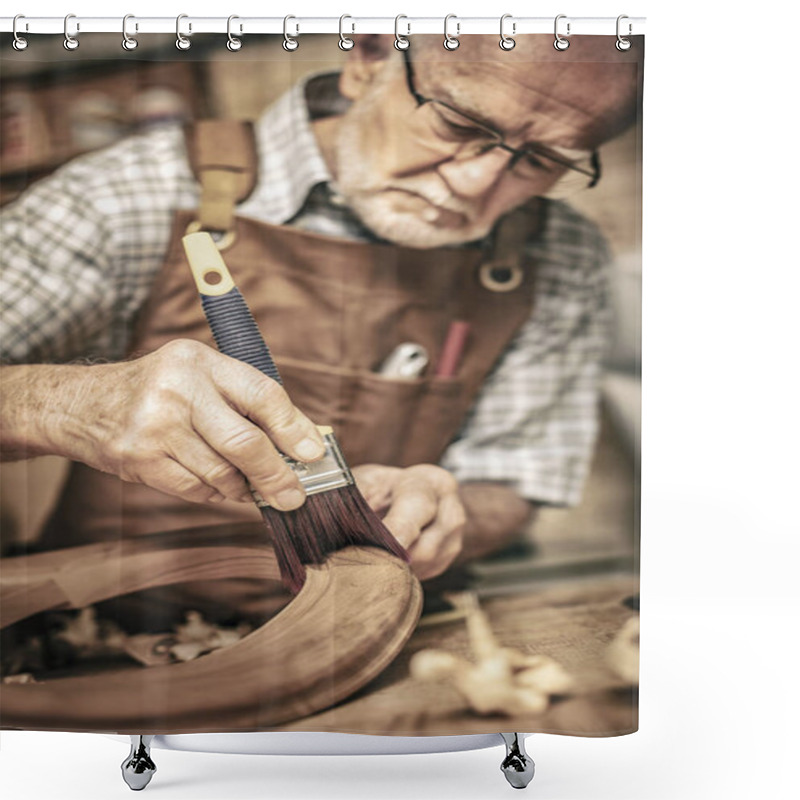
point(234, 43)
point(401, 42)
point(623, 44)
point(506, 42)
point(70, 42)
point(344, 42)
point(451, 42)
point(561, 43)
point(128, 42)
point(19, 42)
point(182, 42)
point(289, 42)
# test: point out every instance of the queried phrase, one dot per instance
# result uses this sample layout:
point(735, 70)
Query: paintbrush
point(335, 513)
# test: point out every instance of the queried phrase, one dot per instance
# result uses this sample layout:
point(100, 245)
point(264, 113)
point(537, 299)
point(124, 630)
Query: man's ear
point(364, 62)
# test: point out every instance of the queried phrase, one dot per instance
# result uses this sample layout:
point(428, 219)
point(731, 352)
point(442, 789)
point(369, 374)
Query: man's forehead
point(573, 97)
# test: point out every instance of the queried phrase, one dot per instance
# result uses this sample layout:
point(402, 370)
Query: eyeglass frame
point(516, 154)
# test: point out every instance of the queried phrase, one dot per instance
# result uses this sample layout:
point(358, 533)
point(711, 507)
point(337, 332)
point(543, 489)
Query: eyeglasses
point(464, 137)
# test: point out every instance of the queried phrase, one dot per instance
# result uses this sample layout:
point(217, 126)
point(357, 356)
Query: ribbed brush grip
point(236, 333)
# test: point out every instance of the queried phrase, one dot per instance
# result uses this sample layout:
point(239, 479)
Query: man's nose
point(475, 176)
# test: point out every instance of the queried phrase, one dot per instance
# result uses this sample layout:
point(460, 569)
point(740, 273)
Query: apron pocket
point(376, 419)
point(439, 415)
point(400, 422)
point(320, 391)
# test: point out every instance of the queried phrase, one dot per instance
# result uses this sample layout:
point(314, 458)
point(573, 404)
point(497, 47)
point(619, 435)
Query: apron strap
point(504, 268)
point(223, 157)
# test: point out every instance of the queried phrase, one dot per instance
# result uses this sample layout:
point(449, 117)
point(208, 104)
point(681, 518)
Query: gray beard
point(357, 186)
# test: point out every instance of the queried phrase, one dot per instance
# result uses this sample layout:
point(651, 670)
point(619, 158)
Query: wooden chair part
point(352, 617)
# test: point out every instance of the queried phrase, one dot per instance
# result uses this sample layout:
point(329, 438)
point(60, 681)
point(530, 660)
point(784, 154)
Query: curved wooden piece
point(349, 621)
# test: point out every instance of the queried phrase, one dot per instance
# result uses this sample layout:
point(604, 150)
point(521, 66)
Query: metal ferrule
point(330, 472)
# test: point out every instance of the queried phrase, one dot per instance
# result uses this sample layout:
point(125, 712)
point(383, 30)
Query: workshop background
point(53, 110)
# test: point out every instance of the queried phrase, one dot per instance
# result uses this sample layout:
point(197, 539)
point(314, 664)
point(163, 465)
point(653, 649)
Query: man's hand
point(184, 419)
point(422, 509)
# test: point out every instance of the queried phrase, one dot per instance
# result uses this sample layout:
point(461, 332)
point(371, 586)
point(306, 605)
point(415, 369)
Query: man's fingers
point(375, 482)
point(169, 476)
point(441, 542)
point(249, 449)
point(429, 558)
point(197, 457)
point(415, 504)
point(265, 402)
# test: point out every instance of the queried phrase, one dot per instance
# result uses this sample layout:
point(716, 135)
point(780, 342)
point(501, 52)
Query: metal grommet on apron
point(501, 277)
point(223, 242)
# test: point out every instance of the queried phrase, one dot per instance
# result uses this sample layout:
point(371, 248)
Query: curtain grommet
point(622, 44)
point(234, 44)
point(129, 42)
point(401, 42)
point(345, 43)
point(507, 42)
point(451, 42)
point(70, 42)
point(560, 42)
point(20, 43)
point(290, 43)
point(182, 42)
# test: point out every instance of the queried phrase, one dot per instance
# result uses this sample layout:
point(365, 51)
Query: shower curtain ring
point(401, 42)
point(128, 41)
point(623, 44)
point(561, 43)
point(182, 42)
point(289, 42)
point(451, 42)
point(19, 42)
point(344, 42)
point(506, 42)
point(70, 42)
point(234, 43)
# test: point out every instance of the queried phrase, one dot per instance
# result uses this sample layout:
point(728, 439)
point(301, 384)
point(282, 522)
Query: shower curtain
point(441, 248)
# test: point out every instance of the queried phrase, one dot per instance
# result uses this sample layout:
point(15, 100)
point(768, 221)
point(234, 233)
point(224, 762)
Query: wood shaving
point(80, 636)
point(501, 680)
point(90, 637)
point(22, 677)
point(196, 636)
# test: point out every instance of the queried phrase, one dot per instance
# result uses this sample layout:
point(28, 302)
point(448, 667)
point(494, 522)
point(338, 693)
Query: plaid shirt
point(81, 248)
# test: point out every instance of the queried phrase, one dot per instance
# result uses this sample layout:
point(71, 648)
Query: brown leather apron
point(331, 311)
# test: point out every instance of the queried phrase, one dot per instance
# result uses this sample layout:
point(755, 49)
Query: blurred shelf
point(51, 101)
point(13, 169)
point(45, 59)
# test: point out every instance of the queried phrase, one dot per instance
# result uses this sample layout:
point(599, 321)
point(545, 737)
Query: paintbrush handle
point(235, 331)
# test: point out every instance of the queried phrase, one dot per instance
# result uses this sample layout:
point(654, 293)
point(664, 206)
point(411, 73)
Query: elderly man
point(391, 200)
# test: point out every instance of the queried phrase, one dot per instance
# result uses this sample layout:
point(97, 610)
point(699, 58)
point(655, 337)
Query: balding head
point(591, 85)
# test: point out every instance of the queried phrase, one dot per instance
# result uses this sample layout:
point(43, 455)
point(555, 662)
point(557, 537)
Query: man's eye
point(533, 160)
point(452, 127)
point(540, 163)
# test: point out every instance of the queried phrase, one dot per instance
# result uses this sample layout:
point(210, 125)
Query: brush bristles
point(326, 522)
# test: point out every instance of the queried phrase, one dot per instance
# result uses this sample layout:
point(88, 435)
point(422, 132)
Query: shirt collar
point(290, 162)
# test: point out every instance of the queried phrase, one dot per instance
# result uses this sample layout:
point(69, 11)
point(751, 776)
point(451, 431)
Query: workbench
point(573, 623)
